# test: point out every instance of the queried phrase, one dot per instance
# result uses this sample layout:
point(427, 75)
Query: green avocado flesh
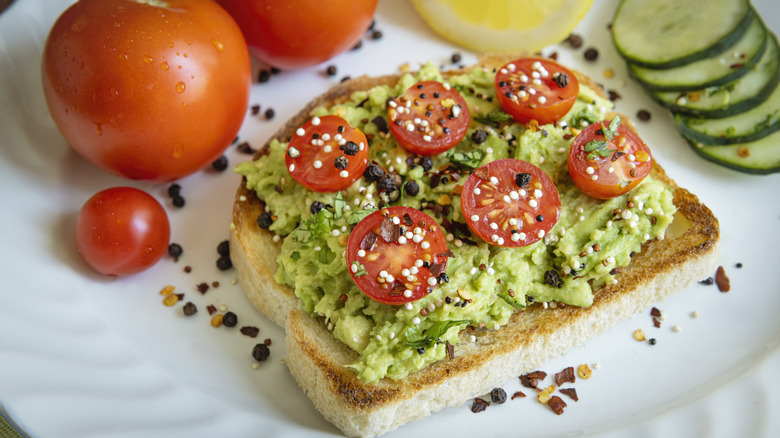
point(584, 247)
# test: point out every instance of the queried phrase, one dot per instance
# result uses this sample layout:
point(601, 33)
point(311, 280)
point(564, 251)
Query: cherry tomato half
point(429, 118)
point(300, 33)
point(327, 154)
point(510, 202)
point(150, 90)
point(122, 231)
point(536, 89)
point(607, 159)
point(397, 255)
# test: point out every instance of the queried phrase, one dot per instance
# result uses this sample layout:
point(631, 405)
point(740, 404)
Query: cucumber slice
point(742, 127)
point(758, 157)
point(709, 72)
point(670, 33)
point(732, 98)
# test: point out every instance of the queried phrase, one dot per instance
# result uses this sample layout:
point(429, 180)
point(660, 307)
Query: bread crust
point(316, 359)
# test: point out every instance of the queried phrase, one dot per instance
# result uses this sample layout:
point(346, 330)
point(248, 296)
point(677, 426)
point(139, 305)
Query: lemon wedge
point(503, 26)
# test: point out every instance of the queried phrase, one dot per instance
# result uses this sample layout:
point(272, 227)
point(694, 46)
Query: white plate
point(82, 355)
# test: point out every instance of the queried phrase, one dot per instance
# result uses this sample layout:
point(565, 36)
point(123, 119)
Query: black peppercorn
point(652, 341)
point(426, 163)
point(264, 220)
point(350, 148)
point(223, 248)
point(479, 136)
point(269, 113)
point(178, 201)
point(316, 206)
point(412, 188)
point(220, 163)
point(175, 250)
point(498, 395)
point(386, 182)
point(331, 70)
point(189, 309)
point(643, 115)
point(263, 76)
point(522, 179)
point(373, 172)
point(224, 263)
point(561, 79)
point(174, 190)
point(456, 57)
point(261, 352)
point(575, 41)
point(591, 54)
point(341, 162)
point(230, 319)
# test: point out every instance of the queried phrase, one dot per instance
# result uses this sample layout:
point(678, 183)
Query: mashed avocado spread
point(486, 283)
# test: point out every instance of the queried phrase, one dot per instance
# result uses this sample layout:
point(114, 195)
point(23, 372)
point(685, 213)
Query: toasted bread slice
point(690, 252)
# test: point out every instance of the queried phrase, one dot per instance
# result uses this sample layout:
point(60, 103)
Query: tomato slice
point(607, 159)
point(327, 154)
point(536, 89)
point(429, 118)
point(397, 255)
point(510, 203)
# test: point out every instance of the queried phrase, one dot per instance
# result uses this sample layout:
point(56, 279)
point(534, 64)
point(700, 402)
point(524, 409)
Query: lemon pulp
point(503, 26)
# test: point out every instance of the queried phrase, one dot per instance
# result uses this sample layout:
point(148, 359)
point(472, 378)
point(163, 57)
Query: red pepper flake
point(250, 331)
point(188, 269)
point(571, 392)
point(343, 299)
point(567, 375)
point(211, 309)
point(556, 404)
point(450, 350)
point(479, 405)
point(656, 322)
point(203, 287)
point(518, 394)
point(655, 312)
point(267, 341)
point(724, 285)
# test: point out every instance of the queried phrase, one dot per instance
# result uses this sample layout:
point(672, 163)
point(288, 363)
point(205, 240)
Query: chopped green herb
point(472, 158)
point(495, 117)
point(427, 338)
point(361, 270)
point(511, 301)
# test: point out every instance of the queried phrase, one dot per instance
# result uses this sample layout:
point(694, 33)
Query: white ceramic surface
point(86, 356)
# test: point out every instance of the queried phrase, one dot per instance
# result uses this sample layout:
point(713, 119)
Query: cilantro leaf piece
point(495, 117)
point(338, 205)
point(611, 132)
point(427, 338)
point(358, 215)
point(360, 269)
point(471, 159)
point(313, 226)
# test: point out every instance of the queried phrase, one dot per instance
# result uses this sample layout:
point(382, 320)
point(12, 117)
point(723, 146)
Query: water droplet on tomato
point(180, 87)
point(218, 45)
point(148, 59)
point(164, 66)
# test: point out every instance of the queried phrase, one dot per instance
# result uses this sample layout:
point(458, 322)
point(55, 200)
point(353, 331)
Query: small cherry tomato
point(152, 90)
point(607, 159)
point(429, 118)
point(300, 33)
point(327, 154)
point(122, 231)
point(510, 202)
point(536, 89)
point(397, 255)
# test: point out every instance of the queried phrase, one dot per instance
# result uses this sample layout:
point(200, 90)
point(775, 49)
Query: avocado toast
point(484, 355)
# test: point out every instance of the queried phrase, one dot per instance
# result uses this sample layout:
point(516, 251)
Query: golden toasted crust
point(688, 253)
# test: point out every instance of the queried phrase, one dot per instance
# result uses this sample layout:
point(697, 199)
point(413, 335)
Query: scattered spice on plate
point(260, 352)
point(723, 282)
point(229, 319)
point(189, 309)
point(639, 335)
point(245, 148)
point(202, 287)
point(566, 375)
point(331, 70)
point(250, 331)
point(498, 395)
point(175, 250)
point(643, 115)
point(556, 404)
point(520, 394)
point(211, 309)
point(575, 41)
point(220, 164)
point(591, 54)
point(571, 392)
point(479, 405)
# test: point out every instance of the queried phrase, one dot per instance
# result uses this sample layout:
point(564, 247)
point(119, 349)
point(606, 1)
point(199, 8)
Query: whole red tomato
point(300, 33)
point(122, 231)
point(147, 90)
